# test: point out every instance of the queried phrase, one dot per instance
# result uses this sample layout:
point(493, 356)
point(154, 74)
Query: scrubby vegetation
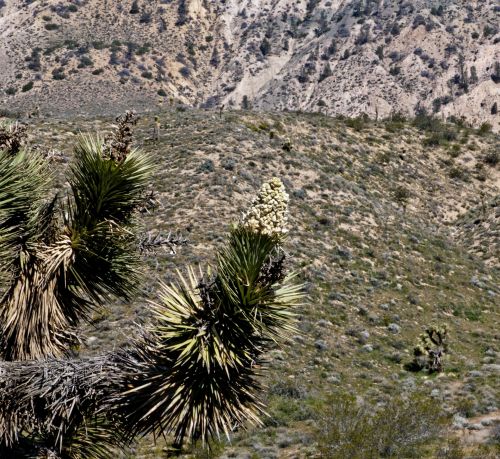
point(399, 428)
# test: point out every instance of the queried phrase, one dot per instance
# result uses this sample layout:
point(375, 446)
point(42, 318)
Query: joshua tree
point(430, 350)
point(402, 195)
point(194, 370)
point(12, 136)
point(65, 256)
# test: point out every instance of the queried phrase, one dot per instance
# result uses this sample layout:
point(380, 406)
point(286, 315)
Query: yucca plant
point(431, 348)
point(12, 136)
point(65, 256)
point(23, 180)
point(211, 331)
point(195, 370)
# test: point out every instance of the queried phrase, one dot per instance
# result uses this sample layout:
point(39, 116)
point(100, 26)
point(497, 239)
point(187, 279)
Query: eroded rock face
point(336, 57)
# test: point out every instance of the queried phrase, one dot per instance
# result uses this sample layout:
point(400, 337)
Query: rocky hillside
point(393, 227)
point(348, 57)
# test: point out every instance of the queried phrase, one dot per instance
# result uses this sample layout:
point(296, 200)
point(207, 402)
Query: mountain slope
point(377, 216)
point(339, 57)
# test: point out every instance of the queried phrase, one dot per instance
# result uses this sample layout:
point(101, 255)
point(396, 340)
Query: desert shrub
point(146, 18)
point(287, 145)
point(85, 61)
point(452, 449)
point(143, 49)
point(484, 129)
point(265, 47)
point(58, 74)
point(326, 73)
point(454, 151)
point(440, 137)
point(357, 430)
point(27, 87)
point(70, 44)
point(457, 172)
point(495, 76)
point(480, 172)
point(423, 121)
point(397, 117)
point(34, 61)
point(439, 132)
point(461, 121)
point(99, 44)
point(489, 31)
point(358, 123)
point(12, 137)
point(245, 103)
point(439, 102)
point(395, 29)
point(134, 8)
point(437, 11)
point(396, 70)
point(402, 195)
point(182, 13)
point(492, 158)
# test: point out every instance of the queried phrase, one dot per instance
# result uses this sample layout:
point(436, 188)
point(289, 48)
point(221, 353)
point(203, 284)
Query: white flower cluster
point(268, 213)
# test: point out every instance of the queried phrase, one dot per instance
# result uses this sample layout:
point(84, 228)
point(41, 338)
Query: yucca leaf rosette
point(66, 257)
point(212, 329)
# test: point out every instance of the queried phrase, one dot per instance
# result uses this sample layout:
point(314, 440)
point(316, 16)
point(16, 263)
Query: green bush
point(457, 172)
point(400, 428)
point(358, 124)
point(484, 129)
point(27, 87)
point(402, 195)
point(439, 132)
point(440, 137)
point(98, 44)
point(454, 151)
point(492, 158)
point(58, 74)
point(85, 61)
point(425, 122)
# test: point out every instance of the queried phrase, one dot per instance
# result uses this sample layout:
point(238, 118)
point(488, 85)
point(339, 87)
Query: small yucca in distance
point(430, 350)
